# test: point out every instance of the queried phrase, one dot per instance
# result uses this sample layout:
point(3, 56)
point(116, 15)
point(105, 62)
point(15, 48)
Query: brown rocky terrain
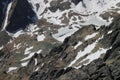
point(70, 45)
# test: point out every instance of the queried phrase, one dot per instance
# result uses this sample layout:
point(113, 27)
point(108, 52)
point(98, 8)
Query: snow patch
point(1, 47)
point(11, 69)
point(64, 32)
point(32, 28)
point(29, 53)
point(35, 61)
point(110, 32)
point(90, 6)
point(90, 36)
point(37, 69)
point(17, 34)
point(42, 6)
point(76, 46)
point(18, 46)
point(27, 50)
point(87, 50)
point(39, 51)
point(28, 57)
point(40, 37)
point(96, 55)
point(94, 19)
point(25, 63)
point(93, 56)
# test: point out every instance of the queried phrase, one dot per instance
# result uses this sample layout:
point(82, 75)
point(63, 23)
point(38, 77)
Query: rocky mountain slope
point(59, 39)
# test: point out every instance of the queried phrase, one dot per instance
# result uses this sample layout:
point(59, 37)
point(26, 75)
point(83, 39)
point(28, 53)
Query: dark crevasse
point(21, 15)
point(3, 8)
point(76, 1)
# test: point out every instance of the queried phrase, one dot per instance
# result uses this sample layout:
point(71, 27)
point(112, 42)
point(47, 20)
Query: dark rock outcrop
point(106, 68)
point(58, 4)
point(4, 38)
point(3, 8)
point(76, 1)
point(20, 16)
point(54, 65)
point(53, 59)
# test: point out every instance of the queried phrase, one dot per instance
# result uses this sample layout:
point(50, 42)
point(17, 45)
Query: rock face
point(64, 44)
point(106, 68)
point(20, 16)
point(4, 38)
point(76, 1)
point(3, 8)
point(52, 65)
point(58, 5)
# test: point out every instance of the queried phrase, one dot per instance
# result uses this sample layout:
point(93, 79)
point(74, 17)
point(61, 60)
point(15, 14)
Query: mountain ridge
point(60, 40)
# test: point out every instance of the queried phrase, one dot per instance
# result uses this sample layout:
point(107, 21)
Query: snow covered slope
point(84, 13)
